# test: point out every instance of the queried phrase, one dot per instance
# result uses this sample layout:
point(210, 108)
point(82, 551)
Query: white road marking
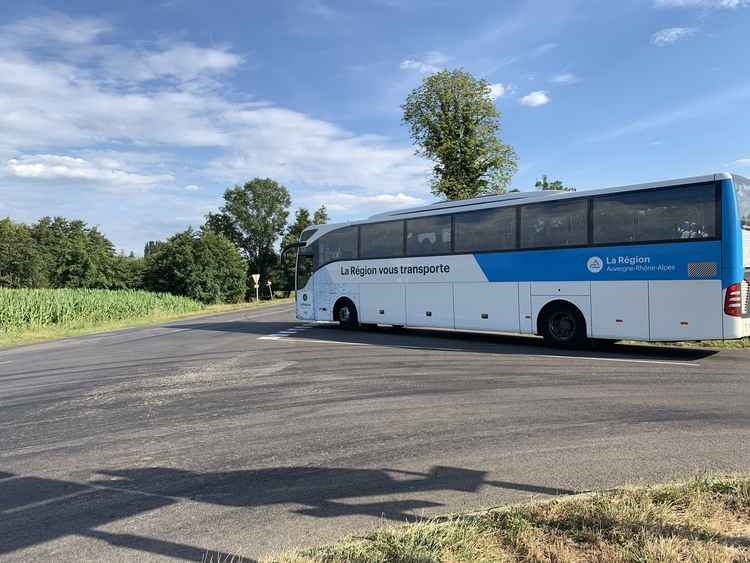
point(45, 501)
point(591, 358)
point(287, 332)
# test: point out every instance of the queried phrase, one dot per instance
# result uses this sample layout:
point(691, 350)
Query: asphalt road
point(251, 432)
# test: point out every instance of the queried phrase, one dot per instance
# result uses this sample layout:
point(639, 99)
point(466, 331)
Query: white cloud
point(182, 60)
point(499, 90)
point(742, 162)
point(362, 204)
point(115, 117)
point(66, 168)
point(297, 148)
point(545, 48)
point(730, 4)
point(191, 188)
point(565, 78)
point(57, 28)
point(318, 8)
point(535, 99)
point(671, 35)
point(431, 62)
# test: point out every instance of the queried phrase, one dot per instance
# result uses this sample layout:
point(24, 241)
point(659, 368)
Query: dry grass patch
point(704, 520)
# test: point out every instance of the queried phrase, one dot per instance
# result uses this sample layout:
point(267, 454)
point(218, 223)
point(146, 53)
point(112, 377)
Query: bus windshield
point(305, 257)
point(742, 190)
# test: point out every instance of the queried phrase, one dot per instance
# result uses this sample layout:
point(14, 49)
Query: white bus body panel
point(491, 306)
point(429, 304)
point(685, 310)
point(304, 301)
point(561, 288)
point(382, 303)
point(620, 310)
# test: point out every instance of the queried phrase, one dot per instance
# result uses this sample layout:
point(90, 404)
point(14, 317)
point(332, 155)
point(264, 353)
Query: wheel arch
point(340, 300)
point(555, 302)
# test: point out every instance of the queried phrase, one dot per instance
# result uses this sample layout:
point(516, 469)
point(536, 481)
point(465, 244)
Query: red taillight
point(733, 300)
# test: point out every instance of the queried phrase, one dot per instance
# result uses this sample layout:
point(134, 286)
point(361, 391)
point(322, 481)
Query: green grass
point(739, 343)
point(32, 315)
point(731, 344)
point(707, 519)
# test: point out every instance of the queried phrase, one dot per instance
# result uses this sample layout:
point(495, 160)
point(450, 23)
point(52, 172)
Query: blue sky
point(136, 116)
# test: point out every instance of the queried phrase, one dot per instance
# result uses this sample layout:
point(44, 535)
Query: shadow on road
point(35, 510)
point(444, 340)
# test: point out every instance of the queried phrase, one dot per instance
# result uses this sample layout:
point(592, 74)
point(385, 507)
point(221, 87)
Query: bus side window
point(485, 230)
point(680, 213)
point(382, 240)
point(554, 223)
point(428, 235)
point(340, 244)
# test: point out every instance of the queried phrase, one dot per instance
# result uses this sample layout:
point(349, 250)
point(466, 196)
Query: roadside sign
point(256, 278)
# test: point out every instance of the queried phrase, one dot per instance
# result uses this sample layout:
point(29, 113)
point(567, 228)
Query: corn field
point(24, 309)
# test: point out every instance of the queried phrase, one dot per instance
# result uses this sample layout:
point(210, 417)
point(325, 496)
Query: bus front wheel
point(346, 315)
point(563, 326)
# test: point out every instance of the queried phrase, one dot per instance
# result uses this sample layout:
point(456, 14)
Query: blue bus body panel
point(732, 268)
point(667, 261)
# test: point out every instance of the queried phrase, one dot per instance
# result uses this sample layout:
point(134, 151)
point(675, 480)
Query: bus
point(662, 261)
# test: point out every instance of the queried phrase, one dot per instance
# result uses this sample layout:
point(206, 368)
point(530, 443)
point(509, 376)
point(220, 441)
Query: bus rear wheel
point(346, 315)
point(563, 326)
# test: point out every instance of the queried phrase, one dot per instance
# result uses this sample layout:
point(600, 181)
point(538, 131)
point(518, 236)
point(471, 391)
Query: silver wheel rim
point(563, 326)
point(344, 314)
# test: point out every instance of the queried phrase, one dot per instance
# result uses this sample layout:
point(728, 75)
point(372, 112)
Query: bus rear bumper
point(736, 327)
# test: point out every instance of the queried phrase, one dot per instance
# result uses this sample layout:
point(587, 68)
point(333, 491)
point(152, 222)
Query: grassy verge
point(707, 519)
point(731, 344)
point(31, 333)
point(741, 343)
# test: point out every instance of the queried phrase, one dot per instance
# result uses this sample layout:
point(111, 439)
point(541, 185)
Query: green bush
point(202, 265)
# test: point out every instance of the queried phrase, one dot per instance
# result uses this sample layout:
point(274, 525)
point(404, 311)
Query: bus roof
point(514, 198)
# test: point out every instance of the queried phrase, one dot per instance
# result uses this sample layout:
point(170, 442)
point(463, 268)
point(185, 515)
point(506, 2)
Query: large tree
point(253, 217)
point(203, 265)
point(20, 262)
point(453, 121)
point(74, 254)
point(544, 184)
point(321, 216)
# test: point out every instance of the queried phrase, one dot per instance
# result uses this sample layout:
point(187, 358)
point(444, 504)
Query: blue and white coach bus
point(660, 261)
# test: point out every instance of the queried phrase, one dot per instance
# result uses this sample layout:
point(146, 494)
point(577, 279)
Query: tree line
point(212, 263)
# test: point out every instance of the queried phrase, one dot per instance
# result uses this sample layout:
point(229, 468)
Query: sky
point(136, 116)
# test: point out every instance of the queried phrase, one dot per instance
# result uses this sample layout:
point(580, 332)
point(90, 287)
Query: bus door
point(304, 283)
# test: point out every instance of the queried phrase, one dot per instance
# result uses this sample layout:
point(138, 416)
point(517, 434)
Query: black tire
point(346, 315)
point(563, 326)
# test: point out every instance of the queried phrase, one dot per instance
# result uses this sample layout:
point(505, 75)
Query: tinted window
point(555, 223)
point(431, 235)
point(340, 244)
point(306, 234)
point(488, 229)
point(685, 212)
point(304, 268)
point(383, 240)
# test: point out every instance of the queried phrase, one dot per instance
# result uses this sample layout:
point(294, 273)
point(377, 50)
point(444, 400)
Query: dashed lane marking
point(286, 332)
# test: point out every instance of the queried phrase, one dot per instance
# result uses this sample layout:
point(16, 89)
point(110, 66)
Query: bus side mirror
point(289, 247)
